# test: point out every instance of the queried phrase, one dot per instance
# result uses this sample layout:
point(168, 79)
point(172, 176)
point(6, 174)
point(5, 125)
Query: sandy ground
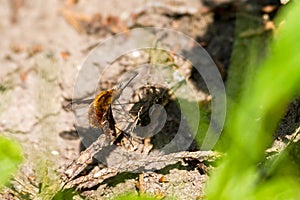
point(36, 77)
point(40, 56)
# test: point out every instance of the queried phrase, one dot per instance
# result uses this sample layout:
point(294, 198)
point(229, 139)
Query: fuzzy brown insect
point(100, 111)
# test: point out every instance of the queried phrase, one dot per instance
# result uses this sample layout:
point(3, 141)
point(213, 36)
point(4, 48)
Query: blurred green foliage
point(2, 88)
point(10, 158)
point(254, 116)
point(65, 194)
point(134, 196)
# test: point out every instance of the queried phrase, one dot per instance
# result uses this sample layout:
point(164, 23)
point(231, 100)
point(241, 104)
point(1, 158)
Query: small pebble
point(54, 152)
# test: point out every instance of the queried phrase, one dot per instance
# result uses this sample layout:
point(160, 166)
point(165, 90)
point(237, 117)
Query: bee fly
point(100, 111)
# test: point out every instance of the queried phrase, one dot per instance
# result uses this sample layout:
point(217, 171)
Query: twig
point(86, 157)
point(150, 162)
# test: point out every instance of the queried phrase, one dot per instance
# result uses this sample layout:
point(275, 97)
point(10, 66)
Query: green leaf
point(254, 118)
point(133, 196)
point(10, 158)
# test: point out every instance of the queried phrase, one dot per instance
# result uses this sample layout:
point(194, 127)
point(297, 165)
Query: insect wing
point(121, 86)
